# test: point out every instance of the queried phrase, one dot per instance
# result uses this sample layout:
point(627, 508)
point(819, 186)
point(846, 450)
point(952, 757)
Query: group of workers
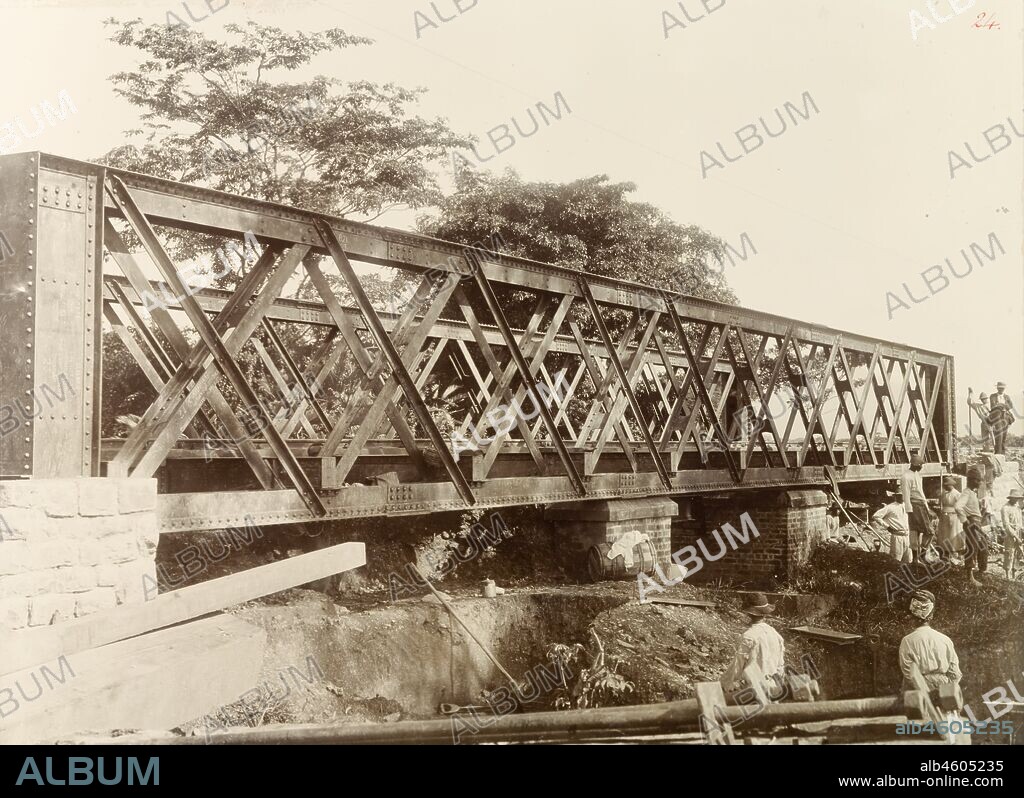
point(996, 414)
point(912, 526)
point(760, 644)
point(959, 528)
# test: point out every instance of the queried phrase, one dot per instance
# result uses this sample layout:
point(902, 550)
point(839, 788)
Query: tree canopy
point(220, 113)
point(590, 224)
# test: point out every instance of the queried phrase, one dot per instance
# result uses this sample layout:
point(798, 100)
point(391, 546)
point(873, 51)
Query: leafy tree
point(223, 114)
point(213, 114)
point(589, 224)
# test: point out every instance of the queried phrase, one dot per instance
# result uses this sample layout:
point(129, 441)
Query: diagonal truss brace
point(624, 384)
point(394, 359)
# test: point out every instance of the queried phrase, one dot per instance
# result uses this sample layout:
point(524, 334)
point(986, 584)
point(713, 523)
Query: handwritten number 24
point(980, 21)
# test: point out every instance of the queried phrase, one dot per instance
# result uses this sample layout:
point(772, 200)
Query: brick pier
point(580, 525)
point(789, 523)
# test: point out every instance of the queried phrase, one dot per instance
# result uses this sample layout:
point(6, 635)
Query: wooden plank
point(42, 644)
point(828, 635)
point(683, 602)
point(711, 700)
point(155, 681)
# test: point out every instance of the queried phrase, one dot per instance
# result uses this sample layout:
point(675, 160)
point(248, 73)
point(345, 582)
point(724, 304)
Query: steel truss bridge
point(292, 410)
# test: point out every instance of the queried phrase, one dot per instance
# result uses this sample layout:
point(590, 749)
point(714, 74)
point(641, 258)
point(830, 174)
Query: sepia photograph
point(461, 373)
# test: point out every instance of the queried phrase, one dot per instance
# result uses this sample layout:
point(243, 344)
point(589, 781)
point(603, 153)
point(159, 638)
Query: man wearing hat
point(929, 649)
point(892, 518)
point(950, 538)
point(969, 509)
point(1012, 530)
point(919, 514)
point(982, 409)
point(1000, 416)
point(759, 645)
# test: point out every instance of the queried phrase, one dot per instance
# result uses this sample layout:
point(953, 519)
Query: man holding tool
point(919, 514)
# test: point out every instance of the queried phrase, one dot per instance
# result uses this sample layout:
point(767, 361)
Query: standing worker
point(977, 543)
point(929, 649)
point(759, 645)
point(951, 518)
point(919, 514)
point(982, 408)
point(1000, 416)
point(1013, 527)
point(892, 518)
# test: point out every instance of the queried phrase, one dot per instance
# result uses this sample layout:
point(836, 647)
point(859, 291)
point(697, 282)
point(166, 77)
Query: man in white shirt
point(892, 518)
point(919, 514)
point(1013, 527)
point(929, 649)
point(932, 652)
point(759, 645)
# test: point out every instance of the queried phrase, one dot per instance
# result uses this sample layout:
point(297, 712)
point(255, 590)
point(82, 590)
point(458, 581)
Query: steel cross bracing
point(498, 381)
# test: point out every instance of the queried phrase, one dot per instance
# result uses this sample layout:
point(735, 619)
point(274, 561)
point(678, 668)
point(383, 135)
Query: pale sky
point(842, 207)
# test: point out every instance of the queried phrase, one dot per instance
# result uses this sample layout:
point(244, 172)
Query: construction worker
point(759, 645)
point(1013, 528)
point(919, 514)
point(982, 409)
point(950, 538)
point(929, 649)
point(969, 507)
point(892, 518)
point(934, 655)
point(1000, 417)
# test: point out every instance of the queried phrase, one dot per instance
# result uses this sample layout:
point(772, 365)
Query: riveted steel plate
point(63, 192)
point(18, 251)
point(65, 357)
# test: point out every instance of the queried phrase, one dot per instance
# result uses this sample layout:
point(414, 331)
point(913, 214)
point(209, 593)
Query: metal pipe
point(569, 726)
point(486, 649)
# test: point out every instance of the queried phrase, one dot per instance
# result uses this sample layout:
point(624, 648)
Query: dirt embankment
point(376, 654)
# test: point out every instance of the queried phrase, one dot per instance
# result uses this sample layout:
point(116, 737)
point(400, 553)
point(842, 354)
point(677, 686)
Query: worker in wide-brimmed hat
point(950, 538)
point(759, 645)
point(929, 649)
point(892, 518)
point(982, 409)
point(1000, 417)
point(919, 514)
point(1013, 529)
